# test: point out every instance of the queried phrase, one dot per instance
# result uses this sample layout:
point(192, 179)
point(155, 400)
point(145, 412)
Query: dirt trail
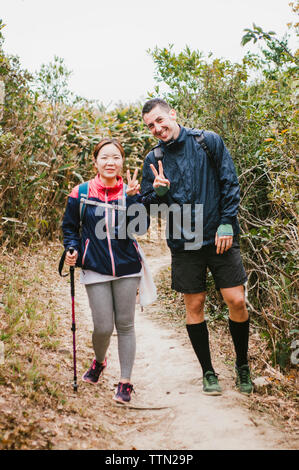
point(167, 374)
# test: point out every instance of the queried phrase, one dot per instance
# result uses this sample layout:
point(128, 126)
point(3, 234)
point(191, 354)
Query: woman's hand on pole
point(70, 259)
point(133, 185)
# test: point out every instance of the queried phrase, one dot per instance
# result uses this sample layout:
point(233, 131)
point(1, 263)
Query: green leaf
point(245, 40)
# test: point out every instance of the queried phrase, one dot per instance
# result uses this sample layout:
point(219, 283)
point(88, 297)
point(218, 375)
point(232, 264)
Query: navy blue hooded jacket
point(193, 180)
point(113, 254)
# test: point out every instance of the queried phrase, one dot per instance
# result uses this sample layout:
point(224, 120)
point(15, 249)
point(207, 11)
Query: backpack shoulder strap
point(83, 193)
point(124, 194)
point(200, 138)
point(158, 152)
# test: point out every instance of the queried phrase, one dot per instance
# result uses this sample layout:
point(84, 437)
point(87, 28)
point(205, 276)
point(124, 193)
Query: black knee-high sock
point(240, 335)
point(199, 337)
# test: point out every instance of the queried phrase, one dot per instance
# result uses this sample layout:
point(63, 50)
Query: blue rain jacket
point(193, 180)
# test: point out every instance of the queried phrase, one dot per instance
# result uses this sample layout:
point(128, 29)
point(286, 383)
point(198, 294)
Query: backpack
point(200, 139)
point(83, 194)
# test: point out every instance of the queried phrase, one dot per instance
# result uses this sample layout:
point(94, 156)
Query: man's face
point(162, 123)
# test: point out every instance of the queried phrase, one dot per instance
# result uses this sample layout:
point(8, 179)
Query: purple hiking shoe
point(96, 369)
point(123, 392)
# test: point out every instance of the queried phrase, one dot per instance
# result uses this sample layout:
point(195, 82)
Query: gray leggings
point(114, 302)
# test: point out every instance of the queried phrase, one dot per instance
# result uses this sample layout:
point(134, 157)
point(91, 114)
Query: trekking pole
point(72, 275)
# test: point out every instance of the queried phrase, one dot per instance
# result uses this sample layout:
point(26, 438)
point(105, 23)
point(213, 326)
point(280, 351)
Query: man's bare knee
point(195, 307)
point(235, 300)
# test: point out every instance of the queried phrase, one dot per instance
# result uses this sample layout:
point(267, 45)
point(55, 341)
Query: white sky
point(104, 43)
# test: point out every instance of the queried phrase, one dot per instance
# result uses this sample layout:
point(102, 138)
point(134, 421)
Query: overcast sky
point(104, 43)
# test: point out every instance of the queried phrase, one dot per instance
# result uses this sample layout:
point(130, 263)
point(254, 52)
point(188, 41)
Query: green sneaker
point(210, 384)
point(243, 380)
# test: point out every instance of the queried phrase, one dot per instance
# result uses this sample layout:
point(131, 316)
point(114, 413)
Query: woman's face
point(109, 163)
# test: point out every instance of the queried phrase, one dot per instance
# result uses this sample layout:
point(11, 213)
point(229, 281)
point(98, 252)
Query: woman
point(110, 261)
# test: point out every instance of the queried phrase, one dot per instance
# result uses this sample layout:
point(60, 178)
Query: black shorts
point(189, 269)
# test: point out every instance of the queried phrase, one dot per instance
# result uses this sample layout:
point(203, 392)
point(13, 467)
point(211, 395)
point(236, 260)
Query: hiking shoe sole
point(245, 392)
point(213, 394)
point(90, 381)
point(120, 401)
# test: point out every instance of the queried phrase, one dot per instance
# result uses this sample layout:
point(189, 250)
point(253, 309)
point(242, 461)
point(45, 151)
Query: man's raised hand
point(160, 179)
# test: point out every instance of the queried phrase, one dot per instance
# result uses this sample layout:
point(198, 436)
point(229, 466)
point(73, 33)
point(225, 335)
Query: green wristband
point(225, 230)
point(161, 190)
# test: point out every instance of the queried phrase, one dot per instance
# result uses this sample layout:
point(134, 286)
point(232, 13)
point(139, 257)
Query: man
point(181, 172)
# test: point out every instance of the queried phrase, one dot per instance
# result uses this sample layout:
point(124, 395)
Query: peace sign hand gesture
point(160, 179)
point(133, 185)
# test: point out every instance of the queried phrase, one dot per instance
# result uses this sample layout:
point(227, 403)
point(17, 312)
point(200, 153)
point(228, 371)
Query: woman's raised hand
point(133, 185)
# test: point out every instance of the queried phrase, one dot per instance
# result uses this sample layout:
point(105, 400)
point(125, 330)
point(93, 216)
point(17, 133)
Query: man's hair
point(151, 104)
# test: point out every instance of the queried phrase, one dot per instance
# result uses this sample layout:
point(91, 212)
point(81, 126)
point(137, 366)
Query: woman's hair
point(107, 141)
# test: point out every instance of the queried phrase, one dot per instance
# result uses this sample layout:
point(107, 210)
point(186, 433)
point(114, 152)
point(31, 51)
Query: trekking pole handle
point(72, 270)
point(71, 250)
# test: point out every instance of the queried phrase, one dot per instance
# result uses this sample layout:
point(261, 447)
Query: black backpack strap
point(200, 138)
point(158, 152)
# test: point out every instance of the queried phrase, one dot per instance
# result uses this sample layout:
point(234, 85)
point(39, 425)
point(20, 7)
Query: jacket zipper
point(113, 217)
point(108, 236)
point(138, 252)
point(85, 250)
